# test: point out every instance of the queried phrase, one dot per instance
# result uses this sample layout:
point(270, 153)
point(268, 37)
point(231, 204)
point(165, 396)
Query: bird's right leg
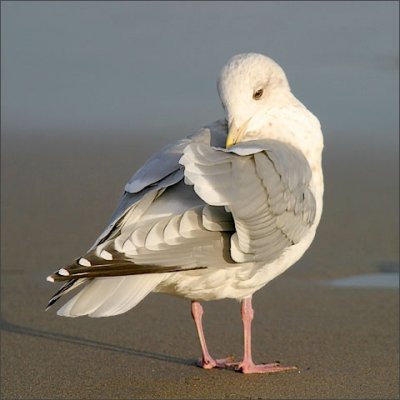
point(206, 360)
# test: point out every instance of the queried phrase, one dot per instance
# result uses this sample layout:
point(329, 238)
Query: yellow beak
point(235, 134)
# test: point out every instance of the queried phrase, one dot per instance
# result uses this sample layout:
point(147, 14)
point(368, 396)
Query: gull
point(215, 215)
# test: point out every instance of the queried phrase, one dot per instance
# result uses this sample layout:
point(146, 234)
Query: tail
point(104, 297)
point(113, 284)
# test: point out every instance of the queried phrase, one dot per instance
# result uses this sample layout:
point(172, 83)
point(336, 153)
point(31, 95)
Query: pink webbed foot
point(209, 362)
point(251, 368)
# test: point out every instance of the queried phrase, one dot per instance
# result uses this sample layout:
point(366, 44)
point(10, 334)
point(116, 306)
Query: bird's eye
point(258, 94)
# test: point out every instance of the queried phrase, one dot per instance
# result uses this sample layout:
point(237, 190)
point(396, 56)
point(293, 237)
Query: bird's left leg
point(247, 366)
point(206, 360)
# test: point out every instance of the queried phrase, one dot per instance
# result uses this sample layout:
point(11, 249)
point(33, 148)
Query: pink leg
point(206, 360)
point(247, 366)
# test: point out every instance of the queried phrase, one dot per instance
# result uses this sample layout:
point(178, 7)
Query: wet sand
point(58, 192)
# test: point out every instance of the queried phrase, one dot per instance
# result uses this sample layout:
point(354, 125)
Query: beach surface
point(58, 192)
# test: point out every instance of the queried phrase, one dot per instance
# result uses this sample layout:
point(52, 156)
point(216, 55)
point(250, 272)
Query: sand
point(58, 192)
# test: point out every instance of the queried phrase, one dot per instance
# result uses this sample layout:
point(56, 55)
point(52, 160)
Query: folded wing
point(264, 184)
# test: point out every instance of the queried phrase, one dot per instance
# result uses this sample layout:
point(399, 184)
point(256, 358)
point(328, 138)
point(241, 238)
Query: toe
point(265, 368)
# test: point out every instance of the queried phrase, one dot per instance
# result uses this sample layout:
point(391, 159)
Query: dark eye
point(258, 94)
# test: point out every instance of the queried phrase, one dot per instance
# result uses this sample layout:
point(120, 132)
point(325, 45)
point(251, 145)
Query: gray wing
point(162, 170)
point(165, 163)
point(151, 247)
point(264, 184)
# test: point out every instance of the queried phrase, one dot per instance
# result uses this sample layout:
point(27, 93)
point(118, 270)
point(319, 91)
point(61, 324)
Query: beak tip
point(228, 143)
point(231, 137)
point(235, 134)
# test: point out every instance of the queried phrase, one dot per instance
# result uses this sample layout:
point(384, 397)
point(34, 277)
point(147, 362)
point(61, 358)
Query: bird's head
point(248, 85)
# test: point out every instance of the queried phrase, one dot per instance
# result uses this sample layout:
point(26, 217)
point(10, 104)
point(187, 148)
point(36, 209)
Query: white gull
point(216, 215)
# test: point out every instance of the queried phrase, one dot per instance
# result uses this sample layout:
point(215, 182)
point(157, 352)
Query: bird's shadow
point(60, 337)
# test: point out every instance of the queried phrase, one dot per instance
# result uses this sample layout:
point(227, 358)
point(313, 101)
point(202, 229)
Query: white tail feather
point(91, 297)
point(131, 291)
point(109, 296)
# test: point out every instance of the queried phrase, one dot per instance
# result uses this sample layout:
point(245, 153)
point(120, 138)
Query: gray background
point(136, 67)
point(90, 90)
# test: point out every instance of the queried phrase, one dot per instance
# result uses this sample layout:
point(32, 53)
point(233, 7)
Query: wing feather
point(266, 186)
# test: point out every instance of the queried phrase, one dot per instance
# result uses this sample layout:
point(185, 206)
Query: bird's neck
point(289, 121)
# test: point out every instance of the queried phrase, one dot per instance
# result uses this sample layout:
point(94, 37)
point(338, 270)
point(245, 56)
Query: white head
point(248, 85)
